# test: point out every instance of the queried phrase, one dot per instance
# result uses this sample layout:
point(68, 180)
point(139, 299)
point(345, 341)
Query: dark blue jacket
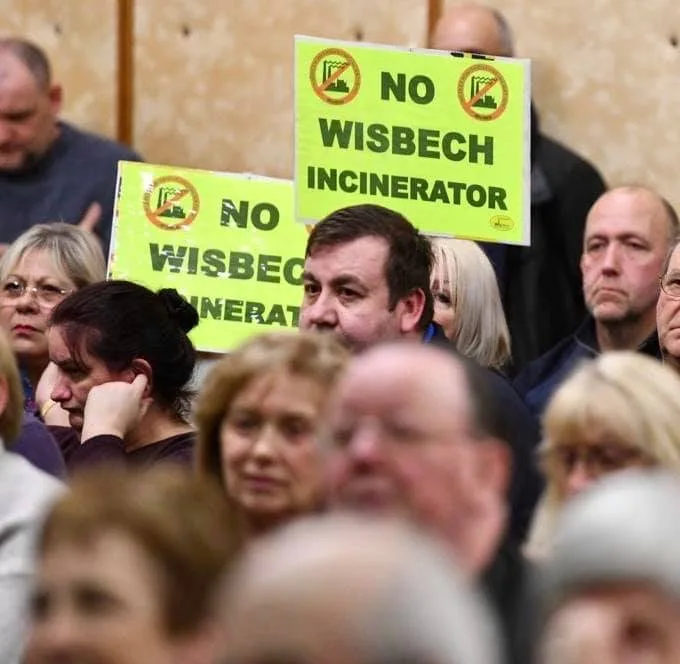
point(539, 380)
point(519, 429)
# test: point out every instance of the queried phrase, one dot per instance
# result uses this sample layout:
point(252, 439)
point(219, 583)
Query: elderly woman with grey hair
point(611, 590)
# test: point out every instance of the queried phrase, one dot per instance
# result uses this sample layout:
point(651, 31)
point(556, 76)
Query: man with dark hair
point(49, 170)
point(367, 280)
point(367, 277)
point(540, 284)
point(416, 432)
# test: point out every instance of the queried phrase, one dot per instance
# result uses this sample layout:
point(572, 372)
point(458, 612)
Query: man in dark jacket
point(540, 284)
point(367, 281)
point(628, 234)
point(416, 432)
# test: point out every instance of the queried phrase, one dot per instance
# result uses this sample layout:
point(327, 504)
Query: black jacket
point(541, 285)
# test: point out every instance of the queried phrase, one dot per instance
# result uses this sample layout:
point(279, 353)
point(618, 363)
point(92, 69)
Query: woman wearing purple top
point(40, 268)
point(121, 362)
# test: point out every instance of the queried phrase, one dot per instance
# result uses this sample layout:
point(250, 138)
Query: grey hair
point(429, 614)
point(32, 56)
point(76, 253)
point(620, 531)
point(400, 597)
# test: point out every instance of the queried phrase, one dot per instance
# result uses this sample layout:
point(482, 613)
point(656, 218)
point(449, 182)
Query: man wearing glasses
point(629, 232)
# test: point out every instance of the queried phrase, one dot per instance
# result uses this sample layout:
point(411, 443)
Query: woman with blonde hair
point(38, 270)
point(467, 302)
point(257, 417)
point(618, 411)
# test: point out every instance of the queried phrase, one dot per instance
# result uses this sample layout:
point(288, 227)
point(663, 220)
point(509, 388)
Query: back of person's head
point(120, 321)
point(319, 357)
point(75, 253)
point(178, 521)
point(409, 261)
point(296, 592)
point(11, 393)
point(612, 582)
point(463, 273)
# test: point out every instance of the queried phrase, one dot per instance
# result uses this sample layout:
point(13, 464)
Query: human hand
point(91, 217)
point(52, 413)
point(115, 408)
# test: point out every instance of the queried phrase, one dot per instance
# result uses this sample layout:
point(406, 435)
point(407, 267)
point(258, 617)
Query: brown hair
point(317, 356)
point(12, 417)
point(179, 521)
point(409, 261)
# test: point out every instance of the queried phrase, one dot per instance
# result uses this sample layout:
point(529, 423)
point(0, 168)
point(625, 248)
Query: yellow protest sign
point(228, 243)
point(441, 137)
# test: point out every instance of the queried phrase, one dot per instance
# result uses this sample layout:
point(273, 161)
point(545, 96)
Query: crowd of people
point(465, 455)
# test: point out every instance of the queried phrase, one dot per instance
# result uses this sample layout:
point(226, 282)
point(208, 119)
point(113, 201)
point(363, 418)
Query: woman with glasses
point(619, 411)
point(38, 270)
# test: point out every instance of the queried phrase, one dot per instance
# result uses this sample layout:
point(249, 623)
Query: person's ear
point(140, 366)
point(56, 96)
point(495, 465)
point(410, 309)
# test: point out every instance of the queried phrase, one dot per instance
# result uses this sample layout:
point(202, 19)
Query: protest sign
point(441, 137)
point(228, 243)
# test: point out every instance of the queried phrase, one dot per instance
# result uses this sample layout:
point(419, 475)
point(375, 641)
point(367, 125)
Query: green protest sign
point(228, 243)
point(442, 138)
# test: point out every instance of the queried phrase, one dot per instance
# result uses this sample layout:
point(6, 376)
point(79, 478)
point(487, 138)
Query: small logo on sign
point(171, 203)
point(335, 76)
point(501, 222)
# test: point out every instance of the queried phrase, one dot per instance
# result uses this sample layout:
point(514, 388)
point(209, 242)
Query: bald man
point(540, 284)
point(332, 590)
point(49, 169)
point(629, 232)
point(414, 432)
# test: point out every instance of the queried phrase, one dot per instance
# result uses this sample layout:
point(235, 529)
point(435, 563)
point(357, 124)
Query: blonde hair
point(622, 397)
point(11, 418)
point(319, 357)
point(76, 253)
point(481, 331)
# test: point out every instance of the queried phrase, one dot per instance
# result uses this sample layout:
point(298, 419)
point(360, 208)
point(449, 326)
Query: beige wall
point(80, 38)
point(213, 86)
point(214, 79)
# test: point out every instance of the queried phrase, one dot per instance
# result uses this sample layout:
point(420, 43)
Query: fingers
point(91, 217)
point(139, 384)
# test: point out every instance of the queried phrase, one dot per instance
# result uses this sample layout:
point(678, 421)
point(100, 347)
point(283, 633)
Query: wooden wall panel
point(80, 38)
point(605, 78)
point(213, 79)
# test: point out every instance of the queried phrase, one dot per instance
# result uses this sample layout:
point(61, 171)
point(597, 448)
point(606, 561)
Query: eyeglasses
point(46, 295)
point(670, 284)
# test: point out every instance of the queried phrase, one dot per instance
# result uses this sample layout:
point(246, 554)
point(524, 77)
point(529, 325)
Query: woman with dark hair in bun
point(117, 385)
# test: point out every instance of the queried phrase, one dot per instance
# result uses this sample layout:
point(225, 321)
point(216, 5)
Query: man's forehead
point(406, 375)
point(365, 255)
point(635, 212)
